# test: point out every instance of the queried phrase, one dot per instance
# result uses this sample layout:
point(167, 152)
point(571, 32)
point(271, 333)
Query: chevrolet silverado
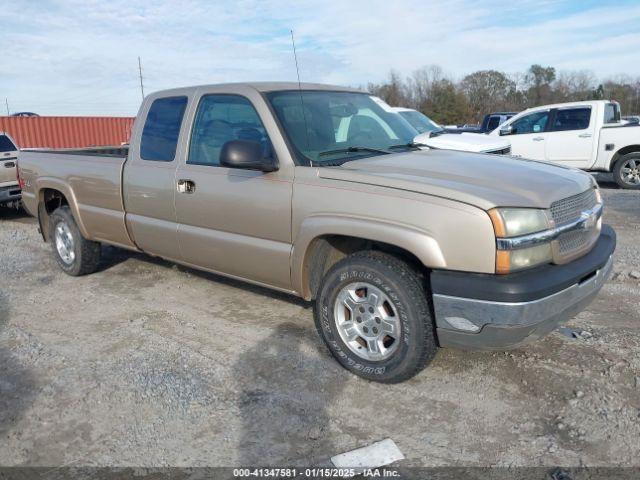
point(320, 192)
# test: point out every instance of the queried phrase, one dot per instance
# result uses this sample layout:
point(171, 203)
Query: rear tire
point(75, 254)
point(626, 171)
point(373, 312)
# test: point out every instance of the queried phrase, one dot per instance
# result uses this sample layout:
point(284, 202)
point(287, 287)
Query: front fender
point(417, 242)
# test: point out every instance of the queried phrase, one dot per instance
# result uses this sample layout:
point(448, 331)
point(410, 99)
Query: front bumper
point(496, 312)
point(9, 194)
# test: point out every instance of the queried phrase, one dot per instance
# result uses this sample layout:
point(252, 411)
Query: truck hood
point(485, 181)
point(467, 142)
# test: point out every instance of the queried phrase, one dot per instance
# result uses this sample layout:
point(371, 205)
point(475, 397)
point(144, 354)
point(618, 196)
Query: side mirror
point(246, 154)
point(506, 130)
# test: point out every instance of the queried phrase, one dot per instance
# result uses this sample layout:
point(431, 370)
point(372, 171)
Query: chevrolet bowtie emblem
point(589, 220)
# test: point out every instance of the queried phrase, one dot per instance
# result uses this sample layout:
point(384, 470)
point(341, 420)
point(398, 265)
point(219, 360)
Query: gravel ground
point(150, 364)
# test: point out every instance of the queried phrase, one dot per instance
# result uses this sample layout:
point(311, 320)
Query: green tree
point(446, 104)
point(539, 79)
point(488, 91)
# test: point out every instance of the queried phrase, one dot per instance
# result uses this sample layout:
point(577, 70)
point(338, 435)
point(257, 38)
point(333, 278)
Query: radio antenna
point(304, 115)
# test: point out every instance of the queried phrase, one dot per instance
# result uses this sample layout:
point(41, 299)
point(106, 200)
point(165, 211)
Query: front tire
point(626, 171)
point(372, 310)
point(75, 254)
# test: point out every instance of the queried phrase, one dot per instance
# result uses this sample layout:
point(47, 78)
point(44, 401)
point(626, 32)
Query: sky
point(80, 57)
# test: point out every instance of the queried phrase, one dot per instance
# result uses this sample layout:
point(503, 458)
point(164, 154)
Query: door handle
point(186, 186)
point(538, 139)
point(585, 135)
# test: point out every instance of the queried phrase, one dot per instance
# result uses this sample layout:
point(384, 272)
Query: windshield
point(420, 121)
point(328, 127)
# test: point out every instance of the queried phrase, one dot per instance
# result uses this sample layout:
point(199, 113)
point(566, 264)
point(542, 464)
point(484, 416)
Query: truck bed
point(90, 176)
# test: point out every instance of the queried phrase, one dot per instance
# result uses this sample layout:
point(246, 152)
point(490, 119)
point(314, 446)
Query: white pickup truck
point(586, 135)
point(434, 136)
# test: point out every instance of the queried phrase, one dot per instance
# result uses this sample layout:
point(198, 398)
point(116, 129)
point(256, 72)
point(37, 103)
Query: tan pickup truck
point(321, 192)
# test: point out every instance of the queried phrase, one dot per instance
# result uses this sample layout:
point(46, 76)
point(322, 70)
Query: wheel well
point(622, 152)
point(326, 250)
point(50, 200)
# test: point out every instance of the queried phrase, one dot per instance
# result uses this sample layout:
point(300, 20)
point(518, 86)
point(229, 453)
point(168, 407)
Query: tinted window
point(161, 129)
point(532, 123)
point(493, 123)
point(6, 145)
point(571, 119)
point(222, 118)
point(611, 113)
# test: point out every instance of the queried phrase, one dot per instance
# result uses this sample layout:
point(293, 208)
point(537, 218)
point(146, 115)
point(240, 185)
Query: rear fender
point(56, 184)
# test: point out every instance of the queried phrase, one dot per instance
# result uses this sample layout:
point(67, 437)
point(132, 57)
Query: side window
point(533, 123)
point(162, 128)
point(493, 123)
point(571, 119)
point(611, 113)
point(221, 118)
point(6, 145)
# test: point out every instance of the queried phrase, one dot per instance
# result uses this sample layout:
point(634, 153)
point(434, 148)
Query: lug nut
point(370, 309)
point(375, 330)
point(377, 320)
point(359, 319)
point(365, 329)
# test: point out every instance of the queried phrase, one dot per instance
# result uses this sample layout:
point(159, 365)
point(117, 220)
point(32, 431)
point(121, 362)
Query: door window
point(571, 119)
point(220, 119)
point(6, 145)
point(533, 123)
point(162, 128)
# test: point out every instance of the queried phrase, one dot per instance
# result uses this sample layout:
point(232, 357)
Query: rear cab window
point(6, 145)
point(612, 113)
point(493, 123)
point(162, 128)
point(571, 119)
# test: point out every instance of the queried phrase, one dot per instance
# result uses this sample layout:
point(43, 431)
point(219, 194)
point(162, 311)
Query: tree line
point(448, 101)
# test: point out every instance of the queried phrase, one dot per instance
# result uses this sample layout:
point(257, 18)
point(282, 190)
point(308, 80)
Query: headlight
point(511, 222)
point(516, 222)
point(508, 261)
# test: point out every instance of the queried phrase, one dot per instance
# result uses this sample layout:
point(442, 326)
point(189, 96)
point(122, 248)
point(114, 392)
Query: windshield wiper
point(352, 150)
point(435, 133)
point(408, 145)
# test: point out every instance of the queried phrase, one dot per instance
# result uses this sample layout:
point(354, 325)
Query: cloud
point(80, 57)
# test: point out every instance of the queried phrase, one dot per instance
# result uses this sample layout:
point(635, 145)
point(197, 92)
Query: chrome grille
point(573, 241)
point(569, 209)
point(571, 244)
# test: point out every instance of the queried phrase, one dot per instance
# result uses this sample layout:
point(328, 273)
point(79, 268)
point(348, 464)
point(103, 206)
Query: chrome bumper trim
point(587, 220)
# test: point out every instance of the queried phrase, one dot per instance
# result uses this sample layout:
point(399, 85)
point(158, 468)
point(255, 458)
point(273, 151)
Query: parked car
point(24, 114)
point(489, 123)
point(319, 191)
point(434, 136)
point(585, 135)
point(9, 188)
